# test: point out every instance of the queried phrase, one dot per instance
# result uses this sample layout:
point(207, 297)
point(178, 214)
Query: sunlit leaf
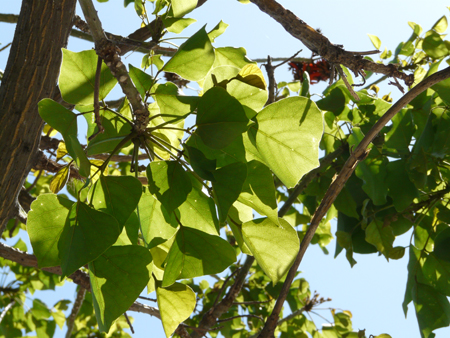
point(77, 77)
point(274, 246)
point(194, 58)
point(176, 304)
point(45, 224)
point(291, 130)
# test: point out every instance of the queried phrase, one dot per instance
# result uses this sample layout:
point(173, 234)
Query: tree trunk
point(30, 75)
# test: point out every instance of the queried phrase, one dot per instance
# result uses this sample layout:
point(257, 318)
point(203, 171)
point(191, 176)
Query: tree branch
point(111, 55)
point(335, 188)
point(78, 277)
point(319, 44)
point(30, 75)
point(75, 310)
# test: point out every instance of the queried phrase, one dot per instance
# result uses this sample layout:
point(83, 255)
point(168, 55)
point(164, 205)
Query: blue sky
point(373, 290)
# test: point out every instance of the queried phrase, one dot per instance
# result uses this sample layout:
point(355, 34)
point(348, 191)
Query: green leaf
point(434, 46)
point(199, 212)
point(220, 118)
point(64, 121)
point(195, 253)
point(182, 7)
point(372, 171)
point(176, 304)
point(274, 246)
point(45, 328)
point(169, 182)
point(77, 77)
point(442, 245)
point(227, 186)
point(45, 224)
point(157, 225)
point(117, 277)
point(401, 189)
point(235, 152)
point(432, 309)
point(240, 213)
point(291, 130)
point(60, 179)
point(117, 196)
point(345, 203)
point(200, 163)
point(248, 95)
point(375, 41)
point(218, 30)
point(251, 74)
point(86, 235)
point(194, 58)
point(115, 130)
point(381, 236)
point(177, 25)
point(172, 104)
point(441, 25)
point(231, 56)
point(259, 191)
point(141, 80)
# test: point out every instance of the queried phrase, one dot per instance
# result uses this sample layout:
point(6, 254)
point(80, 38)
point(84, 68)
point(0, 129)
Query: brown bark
point(30, 75)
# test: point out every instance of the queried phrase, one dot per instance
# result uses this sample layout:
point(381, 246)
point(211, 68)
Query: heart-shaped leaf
point(77, 77)
point(195, 253)
point(117, 277)
point(220, 118)
point(45, 224)
point(86, 235)
point(289, 132)
point(194, 58)
point(176, 304)
point(168, 181)
point(117, 196)
point(274, 246)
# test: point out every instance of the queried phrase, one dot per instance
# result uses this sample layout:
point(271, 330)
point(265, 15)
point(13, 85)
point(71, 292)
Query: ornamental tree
point(149, 201)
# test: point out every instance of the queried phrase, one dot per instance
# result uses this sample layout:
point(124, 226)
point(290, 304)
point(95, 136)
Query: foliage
point(209, 193)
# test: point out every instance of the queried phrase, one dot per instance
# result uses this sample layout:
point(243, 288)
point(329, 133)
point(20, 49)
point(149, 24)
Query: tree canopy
point(233, 180)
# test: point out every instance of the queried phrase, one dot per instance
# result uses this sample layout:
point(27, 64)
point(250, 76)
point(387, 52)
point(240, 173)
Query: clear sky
point(373, 290)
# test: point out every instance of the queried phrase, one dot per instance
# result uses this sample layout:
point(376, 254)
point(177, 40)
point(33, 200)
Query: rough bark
point(30, 75)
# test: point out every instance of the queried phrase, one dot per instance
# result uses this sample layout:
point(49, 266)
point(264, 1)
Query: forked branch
point(320, 44)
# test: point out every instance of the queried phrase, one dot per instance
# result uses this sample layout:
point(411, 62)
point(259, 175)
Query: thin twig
point(271, 75)
point(98, 120)
point(75, 310)
point(128, 322)
point(253, 302)
point(3, 48)
point(240, 316)
point(349, 87)
point(336, 187)
point(146, 298)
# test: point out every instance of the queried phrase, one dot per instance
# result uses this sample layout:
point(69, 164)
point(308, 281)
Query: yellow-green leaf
point(60, 179)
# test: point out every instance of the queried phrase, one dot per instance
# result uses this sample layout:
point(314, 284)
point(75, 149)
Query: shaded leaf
point(117, 278)
point(195, 253)
point(169, 183)
point(80, 241)
point(117, 196)
point(227, 186)
point(220, 118)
